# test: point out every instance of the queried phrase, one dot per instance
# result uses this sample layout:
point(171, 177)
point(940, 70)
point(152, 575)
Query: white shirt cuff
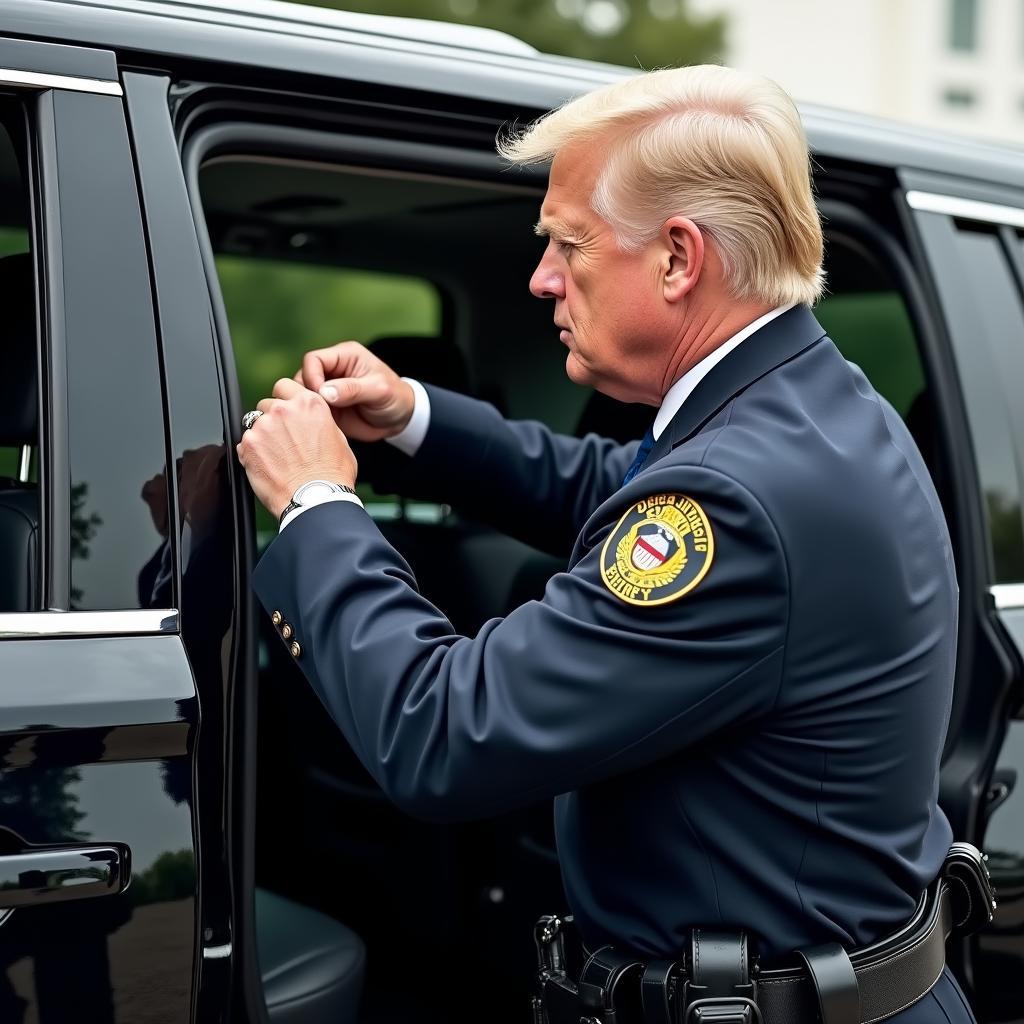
point(408, 441)
point(296, 512)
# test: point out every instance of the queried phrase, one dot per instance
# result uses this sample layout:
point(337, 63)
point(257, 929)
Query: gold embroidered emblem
point(660, 550)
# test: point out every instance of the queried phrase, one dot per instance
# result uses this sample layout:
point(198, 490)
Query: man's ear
point(683, 247)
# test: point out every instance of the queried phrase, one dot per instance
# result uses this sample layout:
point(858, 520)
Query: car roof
point(278, 16)
point(475, 63)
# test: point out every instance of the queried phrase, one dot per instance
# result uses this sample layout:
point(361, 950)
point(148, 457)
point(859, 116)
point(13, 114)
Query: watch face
point(315, 490)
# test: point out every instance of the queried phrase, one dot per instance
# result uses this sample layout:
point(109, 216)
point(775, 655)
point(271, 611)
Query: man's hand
point(369, 400)
point(293, 442)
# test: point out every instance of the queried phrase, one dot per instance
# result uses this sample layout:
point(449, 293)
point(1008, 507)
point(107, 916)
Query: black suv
point(193, 194)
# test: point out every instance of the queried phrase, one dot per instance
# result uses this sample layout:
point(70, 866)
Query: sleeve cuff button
point(276, 618)
point(295, 648)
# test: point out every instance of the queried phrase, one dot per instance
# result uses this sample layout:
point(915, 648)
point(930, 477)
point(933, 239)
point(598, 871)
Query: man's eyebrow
point(553, 226)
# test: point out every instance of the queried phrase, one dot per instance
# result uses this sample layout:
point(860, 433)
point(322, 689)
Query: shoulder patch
point(660, 550)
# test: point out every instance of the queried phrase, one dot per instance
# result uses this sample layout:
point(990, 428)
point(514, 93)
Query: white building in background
point(953, 64)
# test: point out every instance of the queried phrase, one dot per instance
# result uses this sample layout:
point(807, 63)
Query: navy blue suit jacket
point(759, 749)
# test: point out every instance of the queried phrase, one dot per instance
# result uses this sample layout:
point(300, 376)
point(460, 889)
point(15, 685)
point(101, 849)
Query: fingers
point(343, 360)
point(341, 393)
point(287, 388)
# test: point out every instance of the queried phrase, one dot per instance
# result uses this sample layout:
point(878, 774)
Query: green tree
point(172, 876)
point(41, 804)
point(1004, 522)
point(645, 33)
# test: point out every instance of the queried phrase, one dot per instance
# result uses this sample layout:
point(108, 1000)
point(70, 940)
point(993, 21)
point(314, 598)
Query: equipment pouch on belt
point(715, 982)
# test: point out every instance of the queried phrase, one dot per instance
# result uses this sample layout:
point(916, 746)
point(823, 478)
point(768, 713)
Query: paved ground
point(145, 954)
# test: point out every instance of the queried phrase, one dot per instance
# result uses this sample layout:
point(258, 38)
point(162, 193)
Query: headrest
point(427, 359)
point(19, 353)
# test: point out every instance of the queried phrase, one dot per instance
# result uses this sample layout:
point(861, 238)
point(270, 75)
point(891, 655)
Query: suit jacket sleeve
point(517, 476)
point(562, 692)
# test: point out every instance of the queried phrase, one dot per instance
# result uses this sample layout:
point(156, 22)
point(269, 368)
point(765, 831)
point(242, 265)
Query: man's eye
point(565, 247)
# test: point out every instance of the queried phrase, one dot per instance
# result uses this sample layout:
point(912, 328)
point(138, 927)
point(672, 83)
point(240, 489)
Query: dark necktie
point(642, 452)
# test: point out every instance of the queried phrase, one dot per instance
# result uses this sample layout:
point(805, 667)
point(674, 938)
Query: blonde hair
point(721, 147)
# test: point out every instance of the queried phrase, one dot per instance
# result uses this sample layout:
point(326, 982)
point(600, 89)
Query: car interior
point(19, 412)
point(436, 903)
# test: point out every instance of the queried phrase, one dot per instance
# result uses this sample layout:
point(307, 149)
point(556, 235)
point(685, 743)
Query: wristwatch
point(313, 493)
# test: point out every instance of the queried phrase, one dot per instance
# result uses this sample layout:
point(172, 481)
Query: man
point(738, 691)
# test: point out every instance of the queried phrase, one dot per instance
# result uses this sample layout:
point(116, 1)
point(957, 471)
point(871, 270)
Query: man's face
point(608, 303)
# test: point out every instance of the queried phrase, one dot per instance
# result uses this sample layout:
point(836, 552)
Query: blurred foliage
point(41, 803)
point(83, 529)
point(278, 311)
point(172, 876)
point(1004, 523)
point(13, 240)
point(644, 33)
point(873, 330)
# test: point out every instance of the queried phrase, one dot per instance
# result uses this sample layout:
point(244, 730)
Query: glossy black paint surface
point(117, 449)
point(1001, 995)
point(212, 595)
point(95, 742)
point(54, 459)
point(986, 649)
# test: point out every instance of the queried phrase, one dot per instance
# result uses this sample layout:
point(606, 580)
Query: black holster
point(717, 981)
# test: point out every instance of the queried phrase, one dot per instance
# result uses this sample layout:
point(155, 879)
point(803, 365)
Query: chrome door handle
point(55, 874)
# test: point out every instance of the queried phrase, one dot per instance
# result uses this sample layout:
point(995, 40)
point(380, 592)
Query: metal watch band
point(293, 504)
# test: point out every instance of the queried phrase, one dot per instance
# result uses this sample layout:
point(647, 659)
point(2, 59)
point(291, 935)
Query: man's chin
point(577, 372)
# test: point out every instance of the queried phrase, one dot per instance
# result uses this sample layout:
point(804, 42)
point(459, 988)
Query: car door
point(99, 713)
point(970, 235)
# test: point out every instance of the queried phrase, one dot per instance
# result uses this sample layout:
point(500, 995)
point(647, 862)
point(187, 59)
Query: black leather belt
point(715, 982)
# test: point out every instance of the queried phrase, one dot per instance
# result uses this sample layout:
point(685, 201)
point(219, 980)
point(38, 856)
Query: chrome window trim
point(40, 80)
point(1008, 595)
point(969, 209)
point(133, 622)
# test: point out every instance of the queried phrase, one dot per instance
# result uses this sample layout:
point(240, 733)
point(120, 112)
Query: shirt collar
point(683, 388)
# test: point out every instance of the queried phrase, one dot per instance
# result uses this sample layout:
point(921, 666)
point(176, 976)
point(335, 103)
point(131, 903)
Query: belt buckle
point(723, 1010)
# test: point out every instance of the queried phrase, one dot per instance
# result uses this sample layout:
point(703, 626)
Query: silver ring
point(250, 418)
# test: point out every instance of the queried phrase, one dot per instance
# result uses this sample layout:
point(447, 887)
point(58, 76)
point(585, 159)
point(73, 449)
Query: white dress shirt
point(408, 441)
point(411, 437)
point(685, 386)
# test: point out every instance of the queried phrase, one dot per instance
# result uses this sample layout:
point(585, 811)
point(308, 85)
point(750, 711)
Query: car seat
point(312, 966)
point(19, 417)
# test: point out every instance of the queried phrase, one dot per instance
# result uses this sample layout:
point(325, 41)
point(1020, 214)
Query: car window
point(873, 329)
point(865, 314)
point(120, 546)
point(995, 414)
point(279, 310)
point(20, 504)
point(13, 240)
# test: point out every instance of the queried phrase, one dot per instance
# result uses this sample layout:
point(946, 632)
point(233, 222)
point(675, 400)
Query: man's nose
point(548, 281)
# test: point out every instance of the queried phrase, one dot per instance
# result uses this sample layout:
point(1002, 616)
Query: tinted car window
point(873, 330)
point(119, 514)
point(13, 241)
point(996, 419)
point(20, 503)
